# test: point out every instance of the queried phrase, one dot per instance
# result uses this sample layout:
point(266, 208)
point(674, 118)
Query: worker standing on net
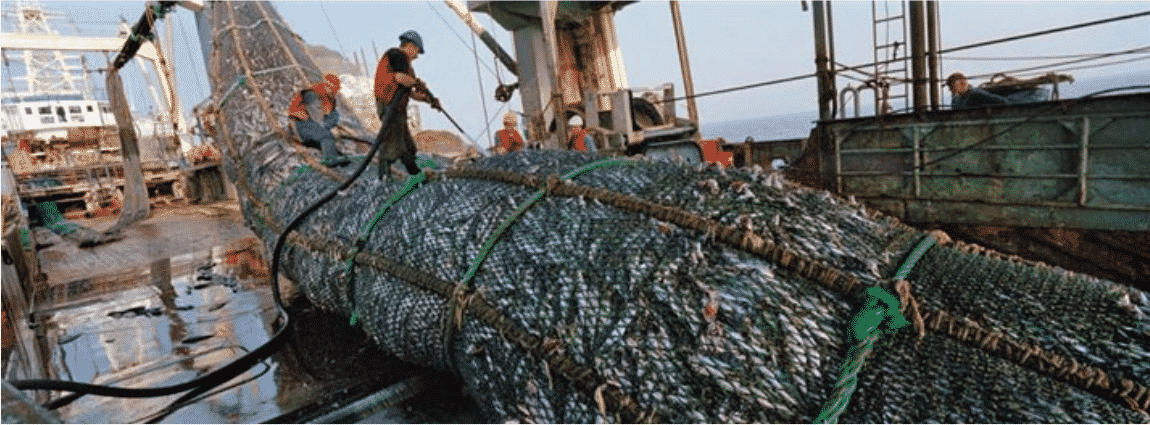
point(394, 76)
point(314, 114)
point(580, 138)
point(508, 139)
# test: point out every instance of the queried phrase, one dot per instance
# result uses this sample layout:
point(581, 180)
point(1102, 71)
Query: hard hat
point(510, 117)
point(413, 38)
point(575, 121)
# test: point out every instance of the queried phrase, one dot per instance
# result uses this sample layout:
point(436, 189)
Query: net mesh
point(589, 311)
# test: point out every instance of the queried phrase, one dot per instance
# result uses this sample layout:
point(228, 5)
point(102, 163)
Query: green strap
point(920, 250)
point(866, 326)
point(295, 174)
point(240, 80)
point(365, 232)
point(490, 242)
point(485, 250)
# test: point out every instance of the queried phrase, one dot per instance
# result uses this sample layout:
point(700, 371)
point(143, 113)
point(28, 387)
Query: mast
point(826, 87)
point(684, 62)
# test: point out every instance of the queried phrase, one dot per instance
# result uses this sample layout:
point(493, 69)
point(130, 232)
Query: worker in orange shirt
point(394, 76)
point(508, 139)
point(314, 114)
point(580, 139)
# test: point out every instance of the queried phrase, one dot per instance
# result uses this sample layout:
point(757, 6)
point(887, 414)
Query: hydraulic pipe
point(822, 65)
point(470, 20)
point(918, 54)
point(932, 54)
point(684, 62)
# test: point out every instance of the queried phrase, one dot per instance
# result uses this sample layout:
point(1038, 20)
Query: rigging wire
point(1024, 58)
point(1107, 63)
point(482, 99)
point(1046, 32)
point(329, 25)
point(1142, 50)
point(737, 88)
point(453, 31)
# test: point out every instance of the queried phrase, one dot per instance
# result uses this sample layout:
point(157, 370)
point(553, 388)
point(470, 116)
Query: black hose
point(222, 375)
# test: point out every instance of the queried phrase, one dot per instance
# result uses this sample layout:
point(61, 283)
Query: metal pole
point(684, 62)
point(831, 59)
point(548, 10)
point(136, 204)
point(826, 94)
point(918, 57)
point(470, 20)
point(932, 52)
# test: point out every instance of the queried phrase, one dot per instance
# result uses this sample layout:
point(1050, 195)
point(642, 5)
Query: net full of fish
point(653, 320)
point(696, 330)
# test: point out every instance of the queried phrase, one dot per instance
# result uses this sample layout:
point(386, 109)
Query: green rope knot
point(880, 308)
point(874, 316)
point(879, 315)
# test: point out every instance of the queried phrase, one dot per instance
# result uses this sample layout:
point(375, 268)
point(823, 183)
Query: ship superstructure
point(59, 131)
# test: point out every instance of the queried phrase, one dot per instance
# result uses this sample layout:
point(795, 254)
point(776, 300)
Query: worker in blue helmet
point(394, 76)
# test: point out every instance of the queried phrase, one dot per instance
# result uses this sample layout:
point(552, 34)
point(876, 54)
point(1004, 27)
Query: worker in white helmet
point(580, 139)
point(508, 139)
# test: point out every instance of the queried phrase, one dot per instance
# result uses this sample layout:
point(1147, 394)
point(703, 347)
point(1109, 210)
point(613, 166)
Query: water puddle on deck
point(184, 316)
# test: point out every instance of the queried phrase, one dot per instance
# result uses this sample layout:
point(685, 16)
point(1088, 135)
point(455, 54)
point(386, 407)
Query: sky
point(730, 44)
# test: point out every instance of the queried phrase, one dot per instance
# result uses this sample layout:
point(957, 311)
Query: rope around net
point(1124, 392)
point(866, 329)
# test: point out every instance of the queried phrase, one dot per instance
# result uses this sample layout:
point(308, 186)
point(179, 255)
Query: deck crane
point(569, 65)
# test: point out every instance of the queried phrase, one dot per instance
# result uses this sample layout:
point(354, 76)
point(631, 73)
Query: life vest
point(578, 138)
point(509, 139)
point(326, 92)
point(392, 61)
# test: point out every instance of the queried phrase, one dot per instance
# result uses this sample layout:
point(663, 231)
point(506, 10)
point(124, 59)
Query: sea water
point(799, 124)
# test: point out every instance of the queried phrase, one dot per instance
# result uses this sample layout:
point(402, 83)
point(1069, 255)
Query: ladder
point(892, 63)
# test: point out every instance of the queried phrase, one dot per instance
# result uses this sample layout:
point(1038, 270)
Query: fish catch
point(567, 287)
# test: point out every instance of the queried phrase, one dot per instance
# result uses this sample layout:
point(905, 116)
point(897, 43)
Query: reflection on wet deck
point(167, 320)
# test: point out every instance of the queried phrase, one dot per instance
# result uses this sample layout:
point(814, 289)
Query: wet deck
point(186, 292)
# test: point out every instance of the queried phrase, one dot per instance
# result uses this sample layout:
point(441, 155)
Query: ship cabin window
point(77, 118)
point(105, 109)
point(75, 110)
point(45, 110)
point(60, 113)
point(28, 111)
point(89, 108)
point(47, 119)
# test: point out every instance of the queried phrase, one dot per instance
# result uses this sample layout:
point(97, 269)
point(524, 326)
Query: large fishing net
point(638, 290)
point(694, 329)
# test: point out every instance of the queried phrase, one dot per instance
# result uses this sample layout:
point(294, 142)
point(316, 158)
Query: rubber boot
point(331, 155)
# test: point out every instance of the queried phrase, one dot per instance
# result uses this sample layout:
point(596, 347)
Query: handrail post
point(1083, 161)
point(916, 161)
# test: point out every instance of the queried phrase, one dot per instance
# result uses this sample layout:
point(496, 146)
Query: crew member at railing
point(965, 96)
point(580, 138)
point(508, 139)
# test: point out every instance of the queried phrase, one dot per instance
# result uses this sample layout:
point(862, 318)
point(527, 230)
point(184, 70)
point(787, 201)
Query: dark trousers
point(314, 135)
point(397, 142)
